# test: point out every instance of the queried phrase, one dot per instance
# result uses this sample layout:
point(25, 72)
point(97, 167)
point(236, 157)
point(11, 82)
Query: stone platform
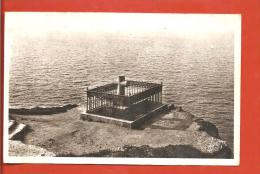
point(132, 124)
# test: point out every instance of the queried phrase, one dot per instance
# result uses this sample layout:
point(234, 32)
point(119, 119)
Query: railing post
point(87, 100)
point(161, 91)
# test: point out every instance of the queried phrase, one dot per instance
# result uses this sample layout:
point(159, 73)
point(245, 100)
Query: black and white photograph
point(122, 88)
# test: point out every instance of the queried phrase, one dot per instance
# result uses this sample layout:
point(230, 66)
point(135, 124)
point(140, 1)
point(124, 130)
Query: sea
point(197, 72)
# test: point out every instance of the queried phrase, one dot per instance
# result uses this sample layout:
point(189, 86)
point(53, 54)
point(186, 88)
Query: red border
point(250, 82)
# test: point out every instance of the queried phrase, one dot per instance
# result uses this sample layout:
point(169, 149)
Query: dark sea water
point(197, 73)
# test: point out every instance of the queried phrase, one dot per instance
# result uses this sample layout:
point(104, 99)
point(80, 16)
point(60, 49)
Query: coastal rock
point(67, 135)
point(204, 126)
point(42, 110)
point(17, 148)
point(145, 143)
point(145, 151)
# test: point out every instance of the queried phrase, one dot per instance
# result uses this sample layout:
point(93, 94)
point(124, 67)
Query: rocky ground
point(17, 148)
point(176, 134)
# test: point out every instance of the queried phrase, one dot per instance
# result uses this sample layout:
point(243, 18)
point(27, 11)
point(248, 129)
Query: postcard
point(122, 88)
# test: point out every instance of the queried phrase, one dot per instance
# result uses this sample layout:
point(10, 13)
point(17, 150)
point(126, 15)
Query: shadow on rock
point(208, 127)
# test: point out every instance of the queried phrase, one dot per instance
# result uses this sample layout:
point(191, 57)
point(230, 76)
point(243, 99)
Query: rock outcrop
point(177, 134)
point(17, 148)
point(42, 110)
point(145, 151)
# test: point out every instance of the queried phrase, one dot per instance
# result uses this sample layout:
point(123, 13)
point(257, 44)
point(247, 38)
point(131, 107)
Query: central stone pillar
point(121, 85)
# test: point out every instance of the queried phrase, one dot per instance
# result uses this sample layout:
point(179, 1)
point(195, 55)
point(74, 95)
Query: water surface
point(197, 73)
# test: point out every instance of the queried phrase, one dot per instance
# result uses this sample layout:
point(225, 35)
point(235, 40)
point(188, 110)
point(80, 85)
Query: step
point(18, 131)
point(11, 123)
point(11, 126)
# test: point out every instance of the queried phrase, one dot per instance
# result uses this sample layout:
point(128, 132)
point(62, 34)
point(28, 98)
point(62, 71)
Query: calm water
point(197, 73)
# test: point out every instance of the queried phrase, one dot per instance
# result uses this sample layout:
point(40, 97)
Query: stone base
point(135, 124)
